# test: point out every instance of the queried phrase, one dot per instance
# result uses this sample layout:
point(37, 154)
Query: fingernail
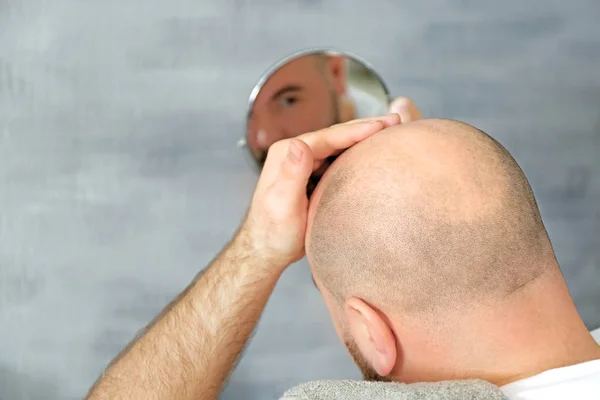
point(294, 152)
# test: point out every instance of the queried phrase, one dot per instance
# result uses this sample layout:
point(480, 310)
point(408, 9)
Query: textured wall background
point(120, 179)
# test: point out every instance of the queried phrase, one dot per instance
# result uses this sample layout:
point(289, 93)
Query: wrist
point(246, 248)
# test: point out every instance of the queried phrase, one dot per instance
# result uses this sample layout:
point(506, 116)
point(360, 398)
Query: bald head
point(424, 217)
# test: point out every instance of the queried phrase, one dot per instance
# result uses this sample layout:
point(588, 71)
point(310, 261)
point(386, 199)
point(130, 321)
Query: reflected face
point(301, 96)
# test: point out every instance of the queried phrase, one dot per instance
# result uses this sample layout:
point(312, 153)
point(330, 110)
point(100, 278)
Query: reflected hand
point(406, 108)
point(276, 221)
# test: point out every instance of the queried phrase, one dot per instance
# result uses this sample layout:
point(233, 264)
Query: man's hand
point(406, 108)
point(276, 220)
point(189, 350)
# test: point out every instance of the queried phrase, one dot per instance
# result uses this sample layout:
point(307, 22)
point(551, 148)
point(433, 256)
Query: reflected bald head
point(424, 217)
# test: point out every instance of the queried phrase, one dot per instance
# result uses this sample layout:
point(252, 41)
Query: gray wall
point(120, 179)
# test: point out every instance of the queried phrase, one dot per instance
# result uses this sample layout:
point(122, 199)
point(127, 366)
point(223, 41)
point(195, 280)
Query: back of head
point(425, 218)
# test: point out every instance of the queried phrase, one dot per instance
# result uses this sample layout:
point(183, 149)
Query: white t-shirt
point(596, 335)
point(365, 104)
point(576, 382)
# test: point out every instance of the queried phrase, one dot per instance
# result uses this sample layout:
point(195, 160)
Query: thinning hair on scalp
point(417, 239)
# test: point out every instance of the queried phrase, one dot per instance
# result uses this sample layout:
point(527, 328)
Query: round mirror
point(308, 91)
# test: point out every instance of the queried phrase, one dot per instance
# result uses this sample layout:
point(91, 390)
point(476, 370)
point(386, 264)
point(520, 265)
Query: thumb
point(406, 108)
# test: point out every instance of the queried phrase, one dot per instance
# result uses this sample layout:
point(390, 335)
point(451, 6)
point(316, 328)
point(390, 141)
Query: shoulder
point(596, 335)
point(367, 105)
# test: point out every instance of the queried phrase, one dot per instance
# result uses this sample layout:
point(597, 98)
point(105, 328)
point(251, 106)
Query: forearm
point(190, 349)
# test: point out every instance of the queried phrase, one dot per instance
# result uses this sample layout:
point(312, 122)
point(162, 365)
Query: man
point(307, 94)
point(426, 243)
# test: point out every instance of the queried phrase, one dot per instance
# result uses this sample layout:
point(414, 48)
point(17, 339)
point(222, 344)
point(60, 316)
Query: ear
point(373, 335)
point(336, 68)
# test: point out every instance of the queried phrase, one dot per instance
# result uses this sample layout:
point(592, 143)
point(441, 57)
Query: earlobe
point(373, 335)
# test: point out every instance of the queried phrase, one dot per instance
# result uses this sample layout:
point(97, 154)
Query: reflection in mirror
point(309, 91)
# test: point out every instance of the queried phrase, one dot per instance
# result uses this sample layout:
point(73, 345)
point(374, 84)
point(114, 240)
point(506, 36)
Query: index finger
point(329, 141)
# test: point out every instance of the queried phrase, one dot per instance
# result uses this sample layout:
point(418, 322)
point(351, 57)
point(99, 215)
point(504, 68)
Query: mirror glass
point(308, 91)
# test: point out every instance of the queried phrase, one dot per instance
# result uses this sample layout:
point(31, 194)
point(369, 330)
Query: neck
point(503, 344)
point(347, 110)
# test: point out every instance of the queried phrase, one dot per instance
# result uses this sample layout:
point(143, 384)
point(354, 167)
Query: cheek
point(321, 106)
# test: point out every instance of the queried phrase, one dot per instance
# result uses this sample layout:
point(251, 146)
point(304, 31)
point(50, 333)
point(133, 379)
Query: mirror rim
point(243, 142)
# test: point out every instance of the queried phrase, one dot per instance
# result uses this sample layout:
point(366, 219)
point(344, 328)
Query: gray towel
point(360, 390)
